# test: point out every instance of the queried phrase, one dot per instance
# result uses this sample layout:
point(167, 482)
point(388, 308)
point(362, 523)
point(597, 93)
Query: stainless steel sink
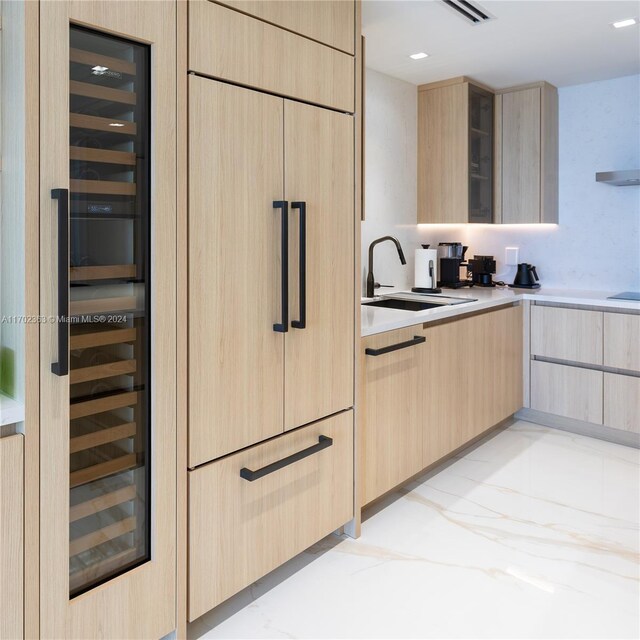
point(410, 301)
point(405, 305)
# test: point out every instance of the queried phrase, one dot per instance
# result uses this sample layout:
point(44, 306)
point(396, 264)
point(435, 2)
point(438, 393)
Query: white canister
point(426, 269)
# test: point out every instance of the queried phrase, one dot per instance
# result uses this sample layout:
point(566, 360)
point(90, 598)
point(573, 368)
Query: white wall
point(597, 243)
point(390, 175)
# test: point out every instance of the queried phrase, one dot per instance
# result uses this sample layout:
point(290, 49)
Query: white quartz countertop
point(379, 319)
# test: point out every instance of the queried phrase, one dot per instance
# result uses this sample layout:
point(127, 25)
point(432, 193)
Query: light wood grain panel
point(622, 341)
point(392, 426)
point(566, 391)
point(485, 347)
point(111, 610)
point(521, 169)
point(443, 154)
point(328, 21)
point(567, 334)
point(622, 402)
point(236, 365)
point(319, 358)
point(549, 159)
point(229, 45)
point(11, 536)
point(240, 530)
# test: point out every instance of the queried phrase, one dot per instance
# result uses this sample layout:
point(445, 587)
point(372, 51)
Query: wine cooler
point(108, 322)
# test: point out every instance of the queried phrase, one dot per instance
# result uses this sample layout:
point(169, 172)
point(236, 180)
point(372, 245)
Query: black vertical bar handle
point(61, 368)
point(283, 205)
point(302, 261)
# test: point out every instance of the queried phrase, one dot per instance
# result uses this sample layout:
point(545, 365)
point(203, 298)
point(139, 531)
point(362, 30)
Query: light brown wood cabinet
point(240, 528)
point(622, 402)
point(571, 392)
point(527, 154)
point(428, 399)
point(622, 341)
point(239, 48)
point(331, 22)
point(455, 152)
point(474, 378)
point(11, 537)
point(567, 334)
point(392, 441)
point(586, 365)
point(249, 381)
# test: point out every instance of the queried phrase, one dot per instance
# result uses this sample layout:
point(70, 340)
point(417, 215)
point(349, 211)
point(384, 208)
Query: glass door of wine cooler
point(109, 320)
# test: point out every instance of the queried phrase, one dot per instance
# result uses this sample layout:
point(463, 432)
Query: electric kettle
point(526, 277)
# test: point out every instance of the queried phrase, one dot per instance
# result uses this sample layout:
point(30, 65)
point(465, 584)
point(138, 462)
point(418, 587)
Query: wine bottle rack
point(109, 377)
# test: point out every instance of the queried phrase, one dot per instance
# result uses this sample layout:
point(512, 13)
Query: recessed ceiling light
point(116, 124)
point(419, 56)
point(629, 22)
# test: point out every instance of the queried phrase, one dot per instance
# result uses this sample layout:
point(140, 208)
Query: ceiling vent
point(472, 12)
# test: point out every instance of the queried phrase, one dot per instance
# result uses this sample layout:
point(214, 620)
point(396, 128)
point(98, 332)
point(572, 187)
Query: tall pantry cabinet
point(271, 289)
point(107, 364)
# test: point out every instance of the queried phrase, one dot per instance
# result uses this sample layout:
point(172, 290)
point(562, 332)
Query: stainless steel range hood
point(619, 178)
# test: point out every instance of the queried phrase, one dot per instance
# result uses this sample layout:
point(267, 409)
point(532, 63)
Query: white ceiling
point(564, 42)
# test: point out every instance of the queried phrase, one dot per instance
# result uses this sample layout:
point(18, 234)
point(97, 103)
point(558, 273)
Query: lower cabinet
point(392, 440)
point(622, 402)
point(440, 387)
point(11, 537)
point(571, 392)
point(255, 509)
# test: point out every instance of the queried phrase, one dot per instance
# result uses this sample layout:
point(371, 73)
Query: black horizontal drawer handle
point(395, 347)
point(323, 443)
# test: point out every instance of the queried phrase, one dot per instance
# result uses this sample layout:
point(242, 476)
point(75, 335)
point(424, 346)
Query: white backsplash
point(597, 243)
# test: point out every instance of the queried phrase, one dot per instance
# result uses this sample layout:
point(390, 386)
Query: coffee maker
point(482, 269)
point(451, 260)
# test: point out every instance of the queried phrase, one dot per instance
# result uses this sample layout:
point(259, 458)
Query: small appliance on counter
point(482, 269)
point(451, 260)
point(426, 271)
point(526, 277)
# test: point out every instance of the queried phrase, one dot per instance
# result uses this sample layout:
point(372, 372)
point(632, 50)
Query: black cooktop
point(626, 295)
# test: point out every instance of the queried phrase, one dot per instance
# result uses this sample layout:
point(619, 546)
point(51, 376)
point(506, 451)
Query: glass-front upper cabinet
point(107, 276)
point(110, 377)
point(481, 106)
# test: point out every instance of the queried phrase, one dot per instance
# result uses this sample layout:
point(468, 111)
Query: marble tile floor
point(532, 534)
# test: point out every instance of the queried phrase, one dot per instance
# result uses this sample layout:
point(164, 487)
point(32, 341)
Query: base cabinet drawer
point(622, 341)
point(622, 402)
point(566, 391)
point(229, 45)
point(240, 529)
point(567, 334)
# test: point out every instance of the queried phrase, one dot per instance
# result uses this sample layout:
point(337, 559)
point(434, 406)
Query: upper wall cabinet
point(239, 48)
point(331, 22)
point(527, 154)
point(455, 152)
